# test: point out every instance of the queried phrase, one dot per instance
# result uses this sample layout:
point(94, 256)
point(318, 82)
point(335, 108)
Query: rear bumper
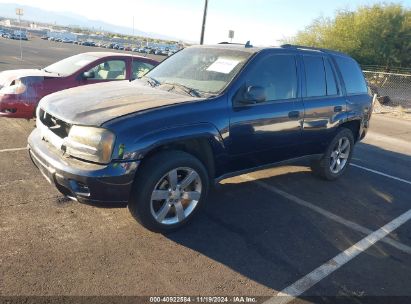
point(100, 185)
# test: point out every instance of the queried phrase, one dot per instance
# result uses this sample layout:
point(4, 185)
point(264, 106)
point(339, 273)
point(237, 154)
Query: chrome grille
point(55, 125)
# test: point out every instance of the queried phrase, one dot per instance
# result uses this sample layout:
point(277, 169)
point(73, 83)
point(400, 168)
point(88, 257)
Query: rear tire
point(336, 158)
point(168, 191)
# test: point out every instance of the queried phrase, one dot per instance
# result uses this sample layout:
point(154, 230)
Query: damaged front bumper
point(101, 185)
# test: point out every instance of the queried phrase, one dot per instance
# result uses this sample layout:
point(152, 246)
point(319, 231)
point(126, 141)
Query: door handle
point(337, 109)
point(294, 114)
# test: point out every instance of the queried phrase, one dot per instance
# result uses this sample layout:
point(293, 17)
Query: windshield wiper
point(152, 81)
point(185, 89)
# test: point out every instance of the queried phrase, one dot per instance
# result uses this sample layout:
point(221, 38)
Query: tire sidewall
point(327, 156)
point(149, 176)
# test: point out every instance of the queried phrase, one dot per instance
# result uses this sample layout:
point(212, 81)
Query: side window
point(110, 70)
point(140, 69)
point(315, 76)
point(331, 83)
point(353, 78)
point(277, 74)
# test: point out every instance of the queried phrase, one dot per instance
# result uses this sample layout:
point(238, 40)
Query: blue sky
point(264, 22)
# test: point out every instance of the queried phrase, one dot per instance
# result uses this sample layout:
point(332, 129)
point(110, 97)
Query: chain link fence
point(393, 91)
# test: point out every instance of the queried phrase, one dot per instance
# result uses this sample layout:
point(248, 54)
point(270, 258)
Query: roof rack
point(295, 46)
point(225, 42)
point(247, 44)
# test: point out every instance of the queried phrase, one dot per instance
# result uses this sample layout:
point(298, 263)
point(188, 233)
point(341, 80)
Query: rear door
point(268, 131)
point(324, 101)
point(359, 101)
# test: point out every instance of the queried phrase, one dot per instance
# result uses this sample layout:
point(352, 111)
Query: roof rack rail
point(247, 44)
point(225, 42)
point(295, 46)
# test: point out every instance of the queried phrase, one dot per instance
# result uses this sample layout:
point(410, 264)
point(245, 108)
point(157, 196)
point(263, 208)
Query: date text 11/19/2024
point(202, 299)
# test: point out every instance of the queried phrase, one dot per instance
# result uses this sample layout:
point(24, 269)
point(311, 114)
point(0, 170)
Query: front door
point(267, 131)
point(108, 70)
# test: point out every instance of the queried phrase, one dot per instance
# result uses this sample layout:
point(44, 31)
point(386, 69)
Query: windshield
point(70, 65)
point(203, 69)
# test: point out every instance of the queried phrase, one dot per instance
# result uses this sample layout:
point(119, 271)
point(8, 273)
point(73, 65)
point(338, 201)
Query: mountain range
point(8, 10)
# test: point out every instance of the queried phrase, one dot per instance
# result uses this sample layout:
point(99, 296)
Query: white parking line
point(331, 216)
point(382, 173)
point(14, 149)
point(299, 287)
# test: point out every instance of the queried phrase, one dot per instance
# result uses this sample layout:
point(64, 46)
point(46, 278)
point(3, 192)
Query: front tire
point(336, 158)
point(168, 191)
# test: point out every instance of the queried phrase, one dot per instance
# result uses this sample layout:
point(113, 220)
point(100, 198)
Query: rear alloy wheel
point(168, 191)
point(336, 158)
point(339, 155)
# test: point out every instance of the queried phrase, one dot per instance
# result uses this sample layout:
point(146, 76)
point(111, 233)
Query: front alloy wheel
point(175, 196)
point(169, 189)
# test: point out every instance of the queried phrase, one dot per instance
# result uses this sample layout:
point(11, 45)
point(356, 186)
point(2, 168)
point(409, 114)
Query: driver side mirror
point(253, 95)
point(88, 74)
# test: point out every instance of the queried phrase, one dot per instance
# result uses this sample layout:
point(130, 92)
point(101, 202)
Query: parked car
point(21, 90)
point(88, 43)
point(204, 114)
point(158, 52)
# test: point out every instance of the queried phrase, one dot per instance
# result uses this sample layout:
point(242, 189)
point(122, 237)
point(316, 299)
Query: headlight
point(90, 143)
point(17, 87)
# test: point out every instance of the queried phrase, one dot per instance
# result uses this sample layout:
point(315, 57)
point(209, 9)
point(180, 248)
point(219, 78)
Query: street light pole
point(204, 22)
point(19, 13)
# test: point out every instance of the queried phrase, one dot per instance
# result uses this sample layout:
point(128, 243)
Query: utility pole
point(204, 22)
point(19, 13)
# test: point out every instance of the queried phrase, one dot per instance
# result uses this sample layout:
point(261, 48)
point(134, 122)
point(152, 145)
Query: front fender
point(150, 141)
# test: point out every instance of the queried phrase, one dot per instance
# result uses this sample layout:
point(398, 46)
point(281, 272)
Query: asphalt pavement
point(277, 231)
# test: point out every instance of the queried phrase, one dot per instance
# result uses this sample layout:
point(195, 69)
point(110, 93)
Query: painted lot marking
point(327, 214)
point(382, 174)
point(299, 287)
point(14, 149)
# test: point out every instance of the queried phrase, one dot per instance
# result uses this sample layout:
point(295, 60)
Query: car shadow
point(273, 241)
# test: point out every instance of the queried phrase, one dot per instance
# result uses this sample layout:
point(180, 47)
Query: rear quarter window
point(352, 75)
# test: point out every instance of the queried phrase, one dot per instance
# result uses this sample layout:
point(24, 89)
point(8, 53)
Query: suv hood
point(7, 77)
point(96, 104)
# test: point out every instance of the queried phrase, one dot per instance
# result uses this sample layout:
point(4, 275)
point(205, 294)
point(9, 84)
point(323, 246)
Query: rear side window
point(277, 74)
point(351, 73)
point(315, 76)
point(330, 77)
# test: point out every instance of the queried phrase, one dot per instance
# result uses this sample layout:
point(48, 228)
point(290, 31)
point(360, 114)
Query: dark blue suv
point(206, 113)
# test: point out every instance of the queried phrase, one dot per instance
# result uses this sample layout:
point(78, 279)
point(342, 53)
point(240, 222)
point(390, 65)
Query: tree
point(374, 35)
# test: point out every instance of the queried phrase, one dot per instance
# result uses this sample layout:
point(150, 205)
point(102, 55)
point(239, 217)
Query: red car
point(21, 90)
